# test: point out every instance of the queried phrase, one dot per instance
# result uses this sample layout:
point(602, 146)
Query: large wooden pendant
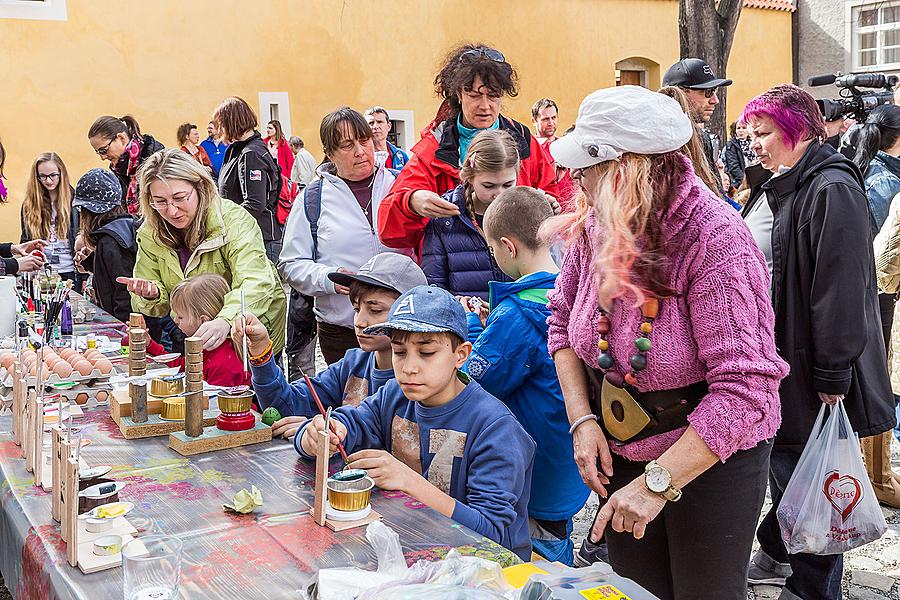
point(623, 416)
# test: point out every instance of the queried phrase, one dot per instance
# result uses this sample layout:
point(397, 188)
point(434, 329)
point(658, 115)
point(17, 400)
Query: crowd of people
point(512, 318)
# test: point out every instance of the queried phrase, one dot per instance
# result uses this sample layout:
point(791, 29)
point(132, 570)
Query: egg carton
point(90, 390)
point(7, 380)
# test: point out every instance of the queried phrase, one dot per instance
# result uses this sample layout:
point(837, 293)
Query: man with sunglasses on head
point(380, 122)
point(697, 80)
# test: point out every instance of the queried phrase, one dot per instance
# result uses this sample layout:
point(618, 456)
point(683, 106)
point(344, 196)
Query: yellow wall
point(171, 61)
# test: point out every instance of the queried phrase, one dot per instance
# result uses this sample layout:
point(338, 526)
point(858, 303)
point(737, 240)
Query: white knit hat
point(622, 119)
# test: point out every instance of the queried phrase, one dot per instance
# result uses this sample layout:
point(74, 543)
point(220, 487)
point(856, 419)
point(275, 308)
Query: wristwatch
point(659, 481)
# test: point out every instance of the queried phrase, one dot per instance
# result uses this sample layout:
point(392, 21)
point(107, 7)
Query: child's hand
point(388, 472)
point(554, 203)
point(287, 427)
point(257, 336)
point(26, 248)
point(311, 435)
point(476, 305)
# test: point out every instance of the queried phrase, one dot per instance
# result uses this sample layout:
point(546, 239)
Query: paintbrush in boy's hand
point(325, 415)
point(244, 328)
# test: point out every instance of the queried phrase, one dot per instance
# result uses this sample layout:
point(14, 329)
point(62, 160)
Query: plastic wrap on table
point(462, 574)
point(597, 582)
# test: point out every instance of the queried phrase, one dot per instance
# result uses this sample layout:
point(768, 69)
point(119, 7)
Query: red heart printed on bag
point(843, 491)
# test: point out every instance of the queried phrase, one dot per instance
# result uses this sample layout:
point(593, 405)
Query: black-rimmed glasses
point(104, 150)
point(48, 176)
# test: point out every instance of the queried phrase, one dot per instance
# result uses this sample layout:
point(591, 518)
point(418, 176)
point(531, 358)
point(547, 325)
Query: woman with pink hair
point(811, 221)
point(661, 331)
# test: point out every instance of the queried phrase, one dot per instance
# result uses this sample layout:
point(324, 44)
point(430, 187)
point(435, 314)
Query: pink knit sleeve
point(733, 324)
point(562, 297)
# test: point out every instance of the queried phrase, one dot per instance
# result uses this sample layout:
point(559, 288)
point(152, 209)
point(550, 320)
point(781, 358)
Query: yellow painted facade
point(170, 61)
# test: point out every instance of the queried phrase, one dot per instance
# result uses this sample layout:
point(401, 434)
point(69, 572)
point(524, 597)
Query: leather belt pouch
point(628, 415)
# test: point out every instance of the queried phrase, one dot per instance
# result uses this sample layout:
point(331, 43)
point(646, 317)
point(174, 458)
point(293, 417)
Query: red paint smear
point(10, 450)
point(35, 581)
point(138, 487)
point(304, 539)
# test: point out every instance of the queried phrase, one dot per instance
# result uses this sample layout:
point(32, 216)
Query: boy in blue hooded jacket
point(510, 360)
point(361, 372)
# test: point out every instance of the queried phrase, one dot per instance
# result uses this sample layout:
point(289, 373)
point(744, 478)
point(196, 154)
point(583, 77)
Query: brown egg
point(51, 361)
point(45, 371)
point(62, 369)
point(74, 358)
point(28, 360)
point(7, 361)
point(102, 396)
point(49, 354)
point(91, 353)
point(81, 398)
point(104, 365)
point(65, 353)
point(84, 367)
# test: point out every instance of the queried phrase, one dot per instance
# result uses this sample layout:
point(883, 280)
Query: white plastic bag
point(829, 506)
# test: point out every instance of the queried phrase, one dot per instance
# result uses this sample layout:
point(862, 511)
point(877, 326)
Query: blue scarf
point(466, 135)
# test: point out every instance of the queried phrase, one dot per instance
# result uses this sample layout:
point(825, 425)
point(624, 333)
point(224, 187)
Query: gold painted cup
point(165, 387)
point(235, 400)
point(172, 409)
point(350, 495)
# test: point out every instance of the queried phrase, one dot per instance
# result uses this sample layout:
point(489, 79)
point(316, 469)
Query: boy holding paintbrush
point(432, 433)
point(361, 372)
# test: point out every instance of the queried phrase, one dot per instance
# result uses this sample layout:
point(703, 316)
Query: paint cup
point(152, 567)
point(349, 495)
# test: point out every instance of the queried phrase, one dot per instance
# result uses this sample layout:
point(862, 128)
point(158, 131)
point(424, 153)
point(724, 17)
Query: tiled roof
point(788, 5)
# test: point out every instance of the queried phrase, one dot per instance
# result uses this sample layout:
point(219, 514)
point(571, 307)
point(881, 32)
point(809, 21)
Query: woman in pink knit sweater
point(662, 334)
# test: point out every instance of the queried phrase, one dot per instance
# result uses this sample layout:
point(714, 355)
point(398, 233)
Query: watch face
point(658, 480)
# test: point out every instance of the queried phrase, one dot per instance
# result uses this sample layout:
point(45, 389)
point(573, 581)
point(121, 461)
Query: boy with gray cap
point(434, 434)
point(361, 372)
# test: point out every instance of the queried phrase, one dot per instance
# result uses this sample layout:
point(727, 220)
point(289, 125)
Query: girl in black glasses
point(47, 214)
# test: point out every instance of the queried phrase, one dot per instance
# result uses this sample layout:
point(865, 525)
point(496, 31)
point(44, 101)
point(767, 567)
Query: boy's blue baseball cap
point(425, 309)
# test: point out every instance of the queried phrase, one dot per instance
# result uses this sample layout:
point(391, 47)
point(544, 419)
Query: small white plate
point(164, 358)
point(93, 492)
point(94, 472)
point(129, 506)
point(343, 515)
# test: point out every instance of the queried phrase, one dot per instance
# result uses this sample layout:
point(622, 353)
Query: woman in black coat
point(249, 175)
point(811, 222)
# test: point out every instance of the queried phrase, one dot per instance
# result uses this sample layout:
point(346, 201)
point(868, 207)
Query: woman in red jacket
point(472, 82)
point(279, 147)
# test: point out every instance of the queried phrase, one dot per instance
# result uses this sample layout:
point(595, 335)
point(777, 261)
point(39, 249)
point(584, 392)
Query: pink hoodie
point(719, 326)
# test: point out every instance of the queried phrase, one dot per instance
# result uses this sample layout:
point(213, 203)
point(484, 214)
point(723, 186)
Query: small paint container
point(164, 387)
point(93, 525)
point(108, 545)
point(172, 409)
point(347, 494)
point(235, 400)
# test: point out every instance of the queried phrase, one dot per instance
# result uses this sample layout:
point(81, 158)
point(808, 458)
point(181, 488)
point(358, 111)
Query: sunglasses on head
point(489, 53)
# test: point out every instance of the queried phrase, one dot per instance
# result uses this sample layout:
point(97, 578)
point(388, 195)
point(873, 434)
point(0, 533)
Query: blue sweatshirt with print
point(346, 382)
point(510, 360)
point(471, 448)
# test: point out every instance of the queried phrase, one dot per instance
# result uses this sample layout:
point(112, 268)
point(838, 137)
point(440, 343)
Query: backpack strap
point(312, 205)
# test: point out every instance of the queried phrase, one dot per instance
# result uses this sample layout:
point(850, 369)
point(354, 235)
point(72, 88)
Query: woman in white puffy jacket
point(333, 227)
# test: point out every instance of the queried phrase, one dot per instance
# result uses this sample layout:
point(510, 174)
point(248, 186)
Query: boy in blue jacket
point(361, 372)
point(510, 360)
point(433, 434)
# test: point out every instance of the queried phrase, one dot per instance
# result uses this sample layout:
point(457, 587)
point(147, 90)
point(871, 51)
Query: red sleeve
point(224, 367)
point(398, 225)
point(539, 170)
point(287, 157)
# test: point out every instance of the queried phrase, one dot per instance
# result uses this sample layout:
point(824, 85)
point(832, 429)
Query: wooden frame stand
point(79, 541)
point(197, 439)
point(321, 494)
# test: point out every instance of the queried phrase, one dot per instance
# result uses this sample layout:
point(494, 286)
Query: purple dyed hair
point(793, 110)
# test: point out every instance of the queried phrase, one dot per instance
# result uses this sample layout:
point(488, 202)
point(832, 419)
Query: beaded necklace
point(638, 361)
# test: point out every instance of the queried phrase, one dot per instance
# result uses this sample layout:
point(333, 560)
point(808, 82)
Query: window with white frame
point(39, 10)
point(875, 35)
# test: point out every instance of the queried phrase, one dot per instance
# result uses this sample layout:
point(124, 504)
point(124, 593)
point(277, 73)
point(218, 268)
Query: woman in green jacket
point(189, 230)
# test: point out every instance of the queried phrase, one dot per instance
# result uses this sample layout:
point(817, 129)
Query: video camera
point(852, 101)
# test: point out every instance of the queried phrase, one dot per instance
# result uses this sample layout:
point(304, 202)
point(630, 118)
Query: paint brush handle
point(325, 415)
point(244, 327)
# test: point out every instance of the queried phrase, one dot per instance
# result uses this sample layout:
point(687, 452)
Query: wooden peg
point(56, 468)
point(193, 345)
point(322, 447)
point(138, 393)
point(18, 402)
point(37, 440)
point(72, 510)
point(134, 321)
point(193, 414)
point(65, 452)
point(28, 445)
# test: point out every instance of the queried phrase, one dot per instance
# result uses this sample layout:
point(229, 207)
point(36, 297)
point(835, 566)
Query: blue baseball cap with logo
point(425, 309)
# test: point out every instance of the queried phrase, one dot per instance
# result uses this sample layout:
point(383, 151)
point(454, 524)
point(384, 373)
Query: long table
point(266, 554)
